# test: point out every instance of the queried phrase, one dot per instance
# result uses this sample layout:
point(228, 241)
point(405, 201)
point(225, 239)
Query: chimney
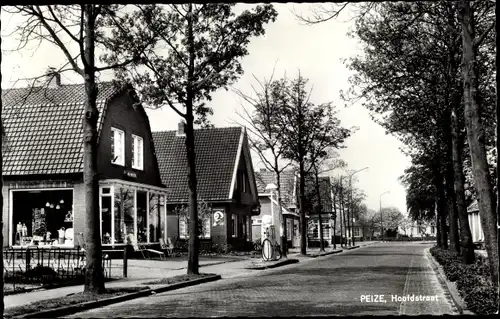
point(53, 78)
point(180, 129)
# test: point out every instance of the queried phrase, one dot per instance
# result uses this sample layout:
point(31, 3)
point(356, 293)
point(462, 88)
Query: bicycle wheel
point(267, 250)
point(277, 252)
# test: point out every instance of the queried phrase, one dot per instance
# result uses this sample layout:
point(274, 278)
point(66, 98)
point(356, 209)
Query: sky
point(288, 46)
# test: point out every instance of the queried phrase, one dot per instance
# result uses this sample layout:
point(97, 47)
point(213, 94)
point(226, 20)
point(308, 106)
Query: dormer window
point(117, 146)
point(137, 152)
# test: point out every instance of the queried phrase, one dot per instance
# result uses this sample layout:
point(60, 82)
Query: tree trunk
point(341, 216)
point(193, 258)
point(476, 138)
point(344, 217)
point(439, 240)
point(280, 209)
point(497, 142)
point(334, 242)
point(451, 197)
point(94, 275)
point(303, 226)
point(442, 210)
point(2, 305)
point(318, 210)
point(467, 247)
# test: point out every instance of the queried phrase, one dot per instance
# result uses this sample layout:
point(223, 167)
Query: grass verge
point(68, 300)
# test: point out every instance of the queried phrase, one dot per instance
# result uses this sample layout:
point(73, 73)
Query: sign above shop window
point(130, 173)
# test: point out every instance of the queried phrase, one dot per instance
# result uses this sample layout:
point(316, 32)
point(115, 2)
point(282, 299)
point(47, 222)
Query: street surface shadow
point(336, 271)
point(379, 253)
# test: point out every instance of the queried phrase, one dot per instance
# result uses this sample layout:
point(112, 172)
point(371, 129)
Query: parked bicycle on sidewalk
point(271, 250)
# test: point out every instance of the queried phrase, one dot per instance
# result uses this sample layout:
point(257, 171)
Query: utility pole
point(381, 216)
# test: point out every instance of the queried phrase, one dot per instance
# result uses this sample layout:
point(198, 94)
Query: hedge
point(473, 281)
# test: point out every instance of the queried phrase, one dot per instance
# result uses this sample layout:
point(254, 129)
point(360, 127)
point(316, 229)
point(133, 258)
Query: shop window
point(42, 217)
point(117, 146)
point(205, 233)
point(183, 232)
point(106, 219)
point(142, 228)
point(154, 218)
point(289, 229)
point(163, 216)
point(124, 213)
point(137, 152)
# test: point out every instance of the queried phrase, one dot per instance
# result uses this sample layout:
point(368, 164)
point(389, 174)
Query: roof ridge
point(46, 87)
point(203, 128)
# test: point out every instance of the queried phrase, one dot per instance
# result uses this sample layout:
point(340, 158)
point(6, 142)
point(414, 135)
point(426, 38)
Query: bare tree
point(308, 130)
point(265, 134)
point(78, 27)
point(203, 44)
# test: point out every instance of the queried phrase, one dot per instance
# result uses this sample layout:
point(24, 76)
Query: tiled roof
point(474, 207)
point(43, 127)
point(216, 150)
point(287, 178)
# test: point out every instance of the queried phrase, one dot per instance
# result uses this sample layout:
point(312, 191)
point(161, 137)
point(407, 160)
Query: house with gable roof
point(43, 191)
point(270, 207)
point(225, 181)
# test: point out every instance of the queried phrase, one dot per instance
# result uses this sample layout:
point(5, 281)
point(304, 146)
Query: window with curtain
point(117, 146)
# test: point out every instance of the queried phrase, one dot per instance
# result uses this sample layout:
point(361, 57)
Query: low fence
point(46, 266)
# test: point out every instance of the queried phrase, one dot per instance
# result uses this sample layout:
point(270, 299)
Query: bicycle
point(270, 250)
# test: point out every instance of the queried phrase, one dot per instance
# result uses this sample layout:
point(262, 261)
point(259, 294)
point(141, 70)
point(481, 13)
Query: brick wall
point(78, 201)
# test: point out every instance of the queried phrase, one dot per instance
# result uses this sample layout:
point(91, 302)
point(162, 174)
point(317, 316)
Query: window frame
point(182, 221)
point(136, 147)
point(114, 132)
point(234, 225)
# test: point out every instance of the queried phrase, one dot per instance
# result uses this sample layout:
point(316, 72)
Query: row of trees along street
point(428, 76)
point(285, 125)
point(175, 55)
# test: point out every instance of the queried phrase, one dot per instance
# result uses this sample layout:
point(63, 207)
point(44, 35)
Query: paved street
point(331, 285)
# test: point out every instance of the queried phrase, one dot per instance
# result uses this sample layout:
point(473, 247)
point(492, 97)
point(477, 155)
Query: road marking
point(402, 306)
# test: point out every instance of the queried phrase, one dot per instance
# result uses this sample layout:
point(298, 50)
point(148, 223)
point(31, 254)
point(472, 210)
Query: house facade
point(44, 195)
point(269, 206)
point(475, 222)
point(225, 183)
point(419, 229)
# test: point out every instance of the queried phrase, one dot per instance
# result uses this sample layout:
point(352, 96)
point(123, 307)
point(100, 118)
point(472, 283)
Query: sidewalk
point(139, 272)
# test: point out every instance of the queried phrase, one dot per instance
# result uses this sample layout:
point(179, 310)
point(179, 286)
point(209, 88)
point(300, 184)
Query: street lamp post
point(381, 216)
point(271, 188)
point(349, 220)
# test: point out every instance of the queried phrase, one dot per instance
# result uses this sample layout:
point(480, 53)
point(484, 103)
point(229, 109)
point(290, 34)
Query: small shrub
point(473, 281)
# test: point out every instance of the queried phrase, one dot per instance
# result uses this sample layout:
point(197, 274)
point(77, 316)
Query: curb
point(72, 309)
point(326, 253)
point(278, 264)
point(450, 286)
point(353, 247)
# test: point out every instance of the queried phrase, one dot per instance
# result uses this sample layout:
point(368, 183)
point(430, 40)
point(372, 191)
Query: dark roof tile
point(216, 150)
point(43, 128)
